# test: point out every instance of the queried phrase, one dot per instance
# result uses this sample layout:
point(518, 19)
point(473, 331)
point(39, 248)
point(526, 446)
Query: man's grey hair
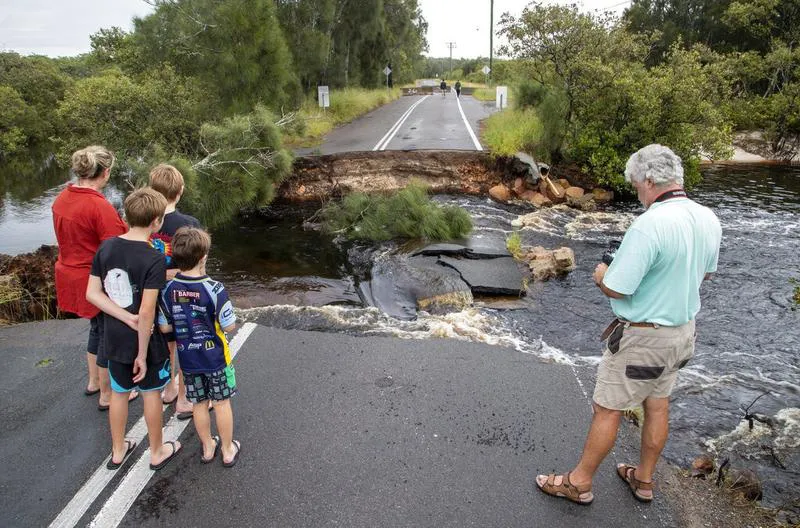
point(656, 163)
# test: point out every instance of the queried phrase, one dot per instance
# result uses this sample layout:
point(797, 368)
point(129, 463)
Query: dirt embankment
point(319, 178)
point(27, 286)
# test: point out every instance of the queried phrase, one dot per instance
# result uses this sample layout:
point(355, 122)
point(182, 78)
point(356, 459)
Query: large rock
point(545, 264)
point(574, 192)
point(602, 195)
point(563, 182)
point(500, 276)
point(500, 193)
point(746, 482)
point(552, 190)
point(540, 200)
point(584, 203)
point(519, 186)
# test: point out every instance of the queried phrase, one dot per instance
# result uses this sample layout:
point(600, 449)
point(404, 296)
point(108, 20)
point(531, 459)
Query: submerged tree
point(408, 213)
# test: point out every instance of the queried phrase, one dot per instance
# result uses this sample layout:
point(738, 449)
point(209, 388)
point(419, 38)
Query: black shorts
point(121, 375)
point(96, 345)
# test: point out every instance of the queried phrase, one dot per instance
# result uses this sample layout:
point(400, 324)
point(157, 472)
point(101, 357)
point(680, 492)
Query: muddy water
point(748, 334)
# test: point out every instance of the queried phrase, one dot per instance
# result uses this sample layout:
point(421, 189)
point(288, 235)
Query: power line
point(451, 45)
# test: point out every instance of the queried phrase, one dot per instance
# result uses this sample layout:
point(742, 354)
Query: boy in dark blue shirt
point(199, 312)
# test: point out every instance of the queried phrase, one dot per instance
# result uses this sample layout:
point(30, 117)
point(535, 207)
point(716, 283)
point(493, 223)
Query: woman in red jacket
point(83, 218)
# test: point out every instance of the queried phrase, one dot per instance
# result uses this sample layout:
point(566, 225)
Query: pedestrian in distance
point(199, 311)
point(653, 281)
point(82, 220)
point(458, 88)
point(126, 279)
point(168, 180)
point(443, 88)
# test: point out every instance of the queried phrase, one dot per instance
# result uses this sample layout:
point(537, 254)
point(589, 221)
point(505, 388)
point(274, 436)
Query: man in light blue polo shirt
point(654, 286)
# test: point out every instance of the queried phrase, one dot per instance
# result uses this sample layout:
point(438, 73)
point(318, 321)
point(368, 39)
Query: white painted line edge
point(83, 500)
point(387, 138)
point(469, 128)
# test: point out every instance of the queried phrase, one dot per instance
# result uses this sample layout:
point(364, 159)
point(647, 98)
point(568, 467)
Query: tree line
point(210, 85)
point(686, 73)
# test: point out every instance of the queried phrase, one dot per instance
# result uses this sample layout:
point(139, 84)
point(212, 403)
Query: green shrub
point(408, 213)
point(512, 130)
point(529, 94)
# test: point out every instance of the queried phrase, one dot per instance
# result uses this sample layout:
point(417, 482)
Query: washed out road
point(335, 430)
point(419, 122)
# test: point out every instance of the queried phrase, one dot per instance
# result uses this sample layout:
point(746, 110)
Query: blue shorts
point(216, 386)
point(121, 375)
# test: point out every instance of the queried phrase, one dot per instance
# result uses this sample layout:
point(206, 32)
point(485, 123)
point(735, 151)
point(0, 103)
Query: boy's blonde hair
point(143, 206)
point(90, 162)
point(189, 246)
point(167, 180)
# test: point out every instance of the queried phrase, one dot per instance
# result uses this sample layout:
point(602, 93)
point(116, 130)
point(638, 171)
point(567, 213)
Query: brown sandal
point(566, 490)
point(628, 473)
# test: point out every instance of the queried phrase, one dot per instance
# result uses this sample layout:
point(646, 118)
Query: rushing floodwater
point(748, 334)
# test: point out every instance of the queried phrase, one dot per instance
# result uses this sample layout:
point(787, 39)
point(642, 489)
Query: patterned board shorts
point(215, 386)
point(641, 363)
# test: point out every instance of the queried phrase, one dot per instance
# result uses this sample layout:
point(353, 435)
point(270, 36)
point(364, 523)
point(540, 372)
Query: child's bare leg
point(94, 383)
point(105, 385)
point(202, 424)
point(118, 419)
point(153, 416)
point(183, 404)
point(224, 414)
point(171, 390)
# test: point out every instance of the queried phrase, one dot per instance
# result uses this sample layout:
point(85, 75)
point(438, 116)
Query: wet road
point(335, 430)
point(431, 122)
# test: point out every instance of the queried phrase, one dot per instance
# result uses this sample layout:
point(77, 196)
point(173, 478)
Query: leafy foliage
point(408, 213)
point(511, 131)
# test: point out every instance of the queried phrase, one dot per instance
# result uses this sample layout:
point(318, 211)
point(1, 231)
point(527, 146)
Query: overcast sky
point(62, 27)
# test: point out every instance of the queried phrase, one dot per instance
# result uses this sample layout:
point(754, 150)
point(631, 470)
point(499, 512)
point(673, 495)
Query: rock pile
point(547, 191)
point(546, 264)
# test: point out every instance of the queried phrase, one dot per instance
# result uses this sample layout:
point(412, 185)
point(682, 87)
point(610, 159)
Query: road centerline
point(387, 138)
point(87, 495)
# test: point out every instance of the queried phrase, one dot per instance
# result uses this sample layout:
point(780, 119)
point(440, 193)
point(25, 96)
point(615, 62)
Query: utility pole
point(451, 45)
point(491, 35)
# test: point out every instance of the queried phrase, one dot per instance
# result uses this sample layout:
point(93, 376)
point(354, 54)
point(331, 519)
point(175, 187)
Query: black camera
point(611, 252)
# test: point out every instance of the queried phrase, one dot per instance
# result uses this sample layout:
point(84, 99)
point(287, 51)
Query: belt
point(617, 321)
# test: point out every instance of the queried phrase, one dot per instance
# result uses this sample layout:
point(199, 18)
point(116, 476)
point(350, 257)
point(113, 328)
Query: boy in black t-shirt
point(127, 275)
point(168, 180)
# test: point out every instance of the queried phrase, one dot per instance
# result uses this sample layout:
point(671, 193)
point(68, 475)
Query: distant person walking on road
point(168, 180)
point(653, 281)
point(199, 311)
point(127, 276)
point(82, 219)
point(443, 87)
point(458, 88)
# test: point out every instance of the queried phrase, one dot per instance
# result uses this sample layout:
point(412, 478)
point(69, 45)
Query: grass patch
point(44, 362)
point(408, 213)
point(346, 105)
point(514, 245)
point(512, 130)
point(796, 294)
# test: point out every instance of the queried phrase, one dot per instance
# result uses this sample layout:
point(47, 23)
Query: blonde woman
point(82, 219)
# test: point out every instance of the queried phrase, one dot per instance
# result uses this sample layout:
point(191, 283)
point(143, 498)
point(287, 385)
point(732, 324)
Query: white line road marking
point(136, 478)
point(469, 128)
point(384, 142)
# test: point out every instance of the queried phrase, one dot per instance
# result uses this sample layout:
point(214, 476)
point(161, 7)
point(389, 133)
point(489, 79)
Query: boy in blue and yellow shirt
point(199, 312)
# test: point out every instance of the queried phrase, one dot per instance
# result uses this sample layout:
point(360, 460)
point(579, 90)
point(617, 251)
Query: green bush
point(408, 213)
point(529, 94)
point(512, 130)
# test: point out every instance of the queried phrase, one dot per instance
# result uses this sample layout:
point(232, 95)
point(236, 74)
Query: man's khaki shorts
point(642, 362)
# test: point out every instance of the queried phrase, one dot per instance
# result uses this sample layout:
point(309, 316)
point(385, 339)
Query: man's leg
point(599, 442)
point(654, 436)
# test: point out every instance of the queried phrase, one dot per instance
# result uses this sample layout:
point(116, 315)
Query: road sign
point(323, 95)
point(486, 70)
point(387, 70)
point(501, 98)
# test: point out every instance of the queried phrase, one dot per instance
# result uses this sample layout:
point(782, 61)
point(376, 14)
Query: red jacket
point(82, 218)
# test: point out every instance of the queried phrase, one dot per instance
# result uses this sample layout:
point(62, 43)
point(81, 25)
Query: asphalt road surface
point(432, 122)
point(335, 430)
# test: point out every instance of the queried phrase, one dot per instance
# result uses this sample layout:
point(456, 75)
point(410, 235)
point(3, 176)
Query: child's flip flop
point(160, 465)
point(113, 465)
point(235, 457)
